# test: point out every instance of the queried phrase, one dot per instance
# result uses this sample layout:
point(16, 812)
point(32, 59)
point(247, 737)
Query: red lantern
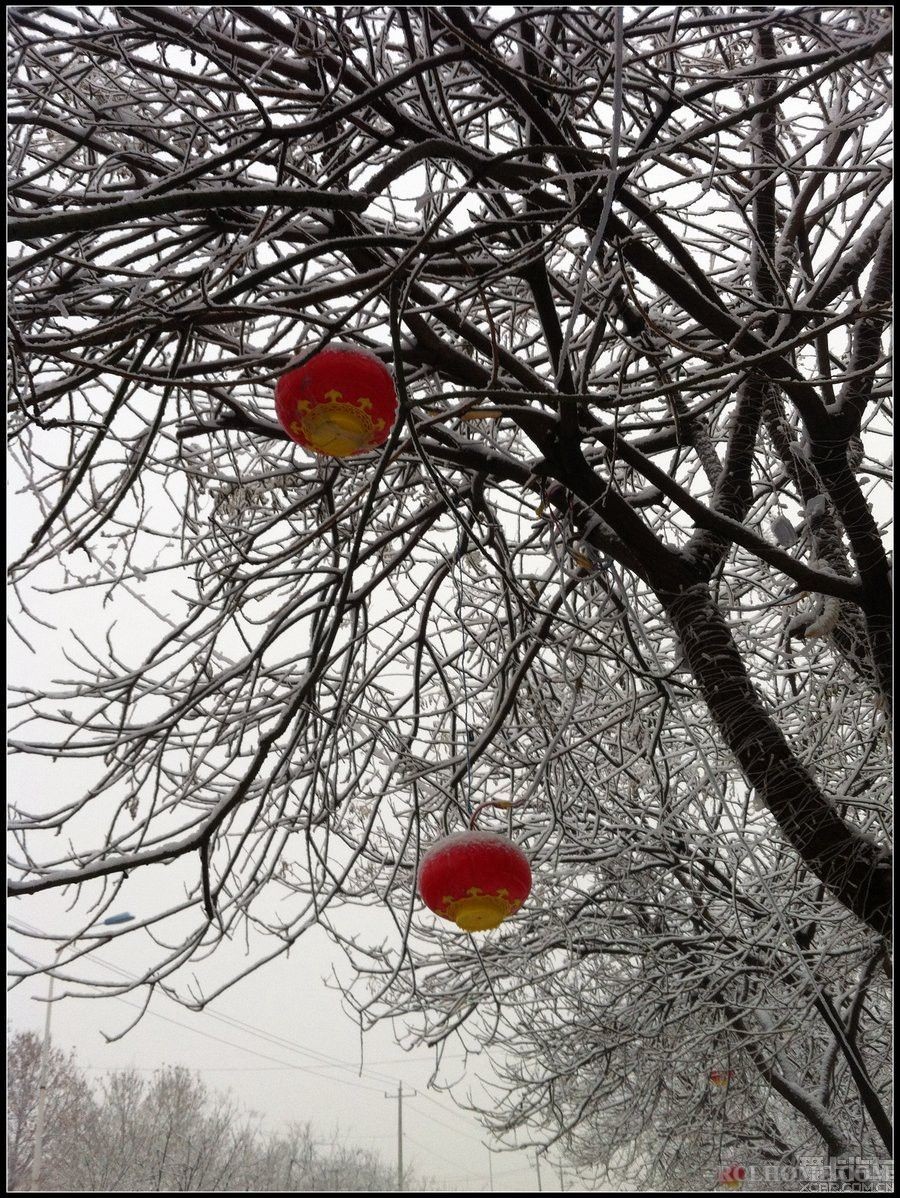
point(733, 1177)
point(340, 403)
point(474, 878)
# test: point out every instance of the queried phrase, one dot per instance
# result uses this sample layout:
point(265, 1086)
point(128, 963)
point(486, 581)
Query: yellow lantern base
point(480, 913)
point(337, 429)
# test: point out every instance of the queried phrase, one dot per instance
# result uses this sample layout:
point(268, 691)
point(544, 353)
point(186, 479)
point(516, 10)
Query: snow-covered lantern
point(341, 402)
point(476, 879)
point(721, 1077)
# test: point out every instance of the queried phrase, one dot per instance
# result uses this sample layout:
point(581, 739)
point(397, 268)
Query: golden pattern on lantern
point(336, 428)
point(477, 911)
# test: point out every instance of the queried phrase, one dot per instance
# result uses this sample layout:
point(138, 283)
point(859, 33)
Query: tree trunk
point(853, 867)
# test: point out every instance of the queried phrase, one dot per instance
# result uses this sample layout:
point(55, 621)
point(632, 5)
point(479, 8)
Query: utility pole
point(400, 1097)
point(537, 1165)
point(37, 1158)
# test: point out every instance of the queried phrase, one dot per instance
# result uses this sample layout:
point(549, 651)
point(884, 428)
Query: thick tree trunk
point(854, 868)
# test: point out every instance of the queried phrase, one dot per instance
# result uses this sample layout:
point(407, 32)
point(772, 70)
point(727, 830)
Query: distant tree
point(165, 1133)
point(295, 1163)
point(168, 1132)
point(618, 583)
point(68, 1109)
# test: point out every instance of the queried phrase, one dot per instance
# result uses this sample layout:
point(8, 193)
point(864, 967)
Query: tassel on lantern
point(476, 879)
point(340, 403)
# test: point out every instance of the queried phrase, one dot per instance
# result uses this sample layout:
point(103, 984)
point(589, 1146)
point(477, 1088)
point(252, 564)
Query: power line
point(456, 1131)
point(243, 1048)
point(280, 1041)
point(440, 1156)
point(326, 1061)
